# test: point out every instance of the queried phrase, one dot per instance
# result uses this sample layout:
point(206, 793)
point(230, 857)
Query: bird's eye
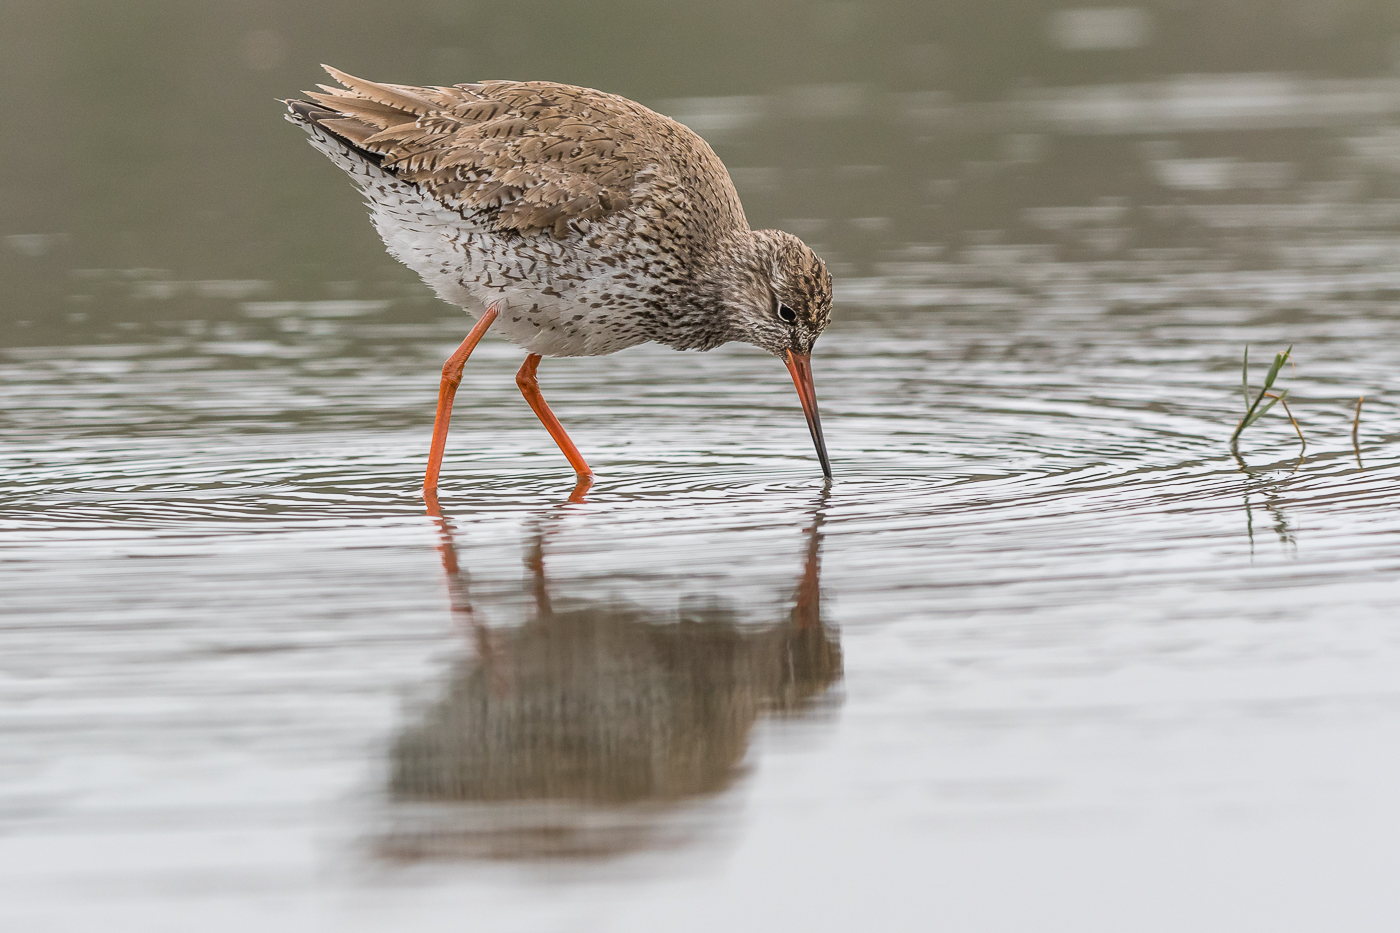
point(786, 313)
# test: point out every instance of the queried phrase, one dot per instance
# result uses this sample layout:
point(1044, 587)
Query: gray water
point(1046, 654)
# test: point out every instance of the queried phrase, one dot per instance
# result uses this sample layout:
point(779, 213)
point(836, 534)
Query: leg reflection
point(608, 704)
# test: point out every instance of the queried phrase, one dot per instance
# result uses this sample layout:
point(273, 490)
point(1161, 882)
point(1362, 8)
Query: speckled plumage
point(595, 223)
point(577, 222)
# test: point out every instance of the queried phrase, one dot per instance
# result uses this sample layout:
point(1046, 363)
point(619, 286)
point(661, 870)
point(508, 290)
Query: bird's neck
point(727, 271)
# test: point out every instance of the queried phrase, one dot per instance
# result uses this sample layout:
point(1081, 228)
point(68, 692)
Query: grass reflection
point(1260, 483)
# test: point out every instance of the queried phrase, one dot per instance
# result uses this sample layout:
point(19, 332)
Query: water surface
point(1046, 654)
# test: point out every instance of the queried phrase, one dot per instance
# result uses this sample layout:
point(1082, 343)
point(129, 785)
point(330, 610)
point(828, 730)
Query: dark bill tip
point(801, 368)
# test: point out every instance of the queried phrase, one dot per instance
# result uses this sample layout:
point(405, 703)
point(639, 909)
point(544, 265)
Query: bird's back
point(582, 211)
point(536, 153)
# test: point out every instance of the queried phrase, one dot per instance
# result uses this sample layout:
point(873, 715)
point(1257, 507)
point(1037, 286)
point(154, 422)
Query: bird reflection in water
point(597, 729)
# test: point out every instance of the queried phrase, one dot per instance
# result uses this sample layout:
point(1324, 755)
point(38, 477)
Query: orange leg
point(530, 388)
point(581, 488)
point(451, 378)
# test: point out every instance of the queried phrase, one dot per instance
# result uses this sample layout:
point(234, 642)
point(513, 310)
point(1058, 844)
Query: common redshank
point(581, 221)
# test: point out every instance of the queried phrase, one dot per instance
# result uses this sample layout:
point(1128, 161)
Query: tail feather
point(382, 116)
point(331, 130)
point(303, 111)
point(358, 111)
point(410, 104)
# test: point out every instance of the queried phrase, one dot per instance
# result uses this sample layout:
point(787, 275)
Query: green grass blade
point(1259, 413)
point(1255, 408)
point(1244, 379)
point(1279, 360)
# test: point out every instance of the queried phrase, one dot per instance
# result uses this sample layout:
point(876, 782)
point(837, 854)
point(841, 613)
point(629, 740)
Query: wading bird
point(582, 222)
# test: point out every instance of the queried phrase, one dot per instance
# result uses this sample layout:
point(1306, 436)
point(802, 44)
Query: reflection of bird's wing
point(532, 154)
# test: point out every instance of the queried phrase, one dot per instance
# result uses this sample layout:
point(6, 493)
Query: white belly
point(551, 300)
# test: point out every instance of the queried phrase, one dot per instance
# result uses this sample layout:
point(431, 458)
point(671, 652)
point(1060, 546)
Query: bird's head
point(781, 302)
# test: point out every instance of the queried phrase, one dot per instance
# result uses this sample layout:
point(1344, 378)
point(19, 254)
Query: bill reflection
point(600, 728)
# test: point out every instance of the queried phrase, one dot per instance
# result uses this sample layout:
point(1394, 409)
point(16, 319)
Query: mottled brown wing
point(532, 154)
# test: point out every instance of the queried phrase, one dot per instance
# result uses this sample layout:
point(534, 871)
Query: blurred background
point(1047, 655)
point(150, 176)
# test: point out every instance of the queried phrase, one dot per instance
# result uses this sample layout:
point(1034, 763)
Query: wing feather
point(533, 155)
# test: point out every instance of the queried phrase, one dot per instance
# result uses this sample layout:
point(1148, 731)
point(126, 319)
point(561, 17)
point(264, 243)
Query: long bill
point(801, 368)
